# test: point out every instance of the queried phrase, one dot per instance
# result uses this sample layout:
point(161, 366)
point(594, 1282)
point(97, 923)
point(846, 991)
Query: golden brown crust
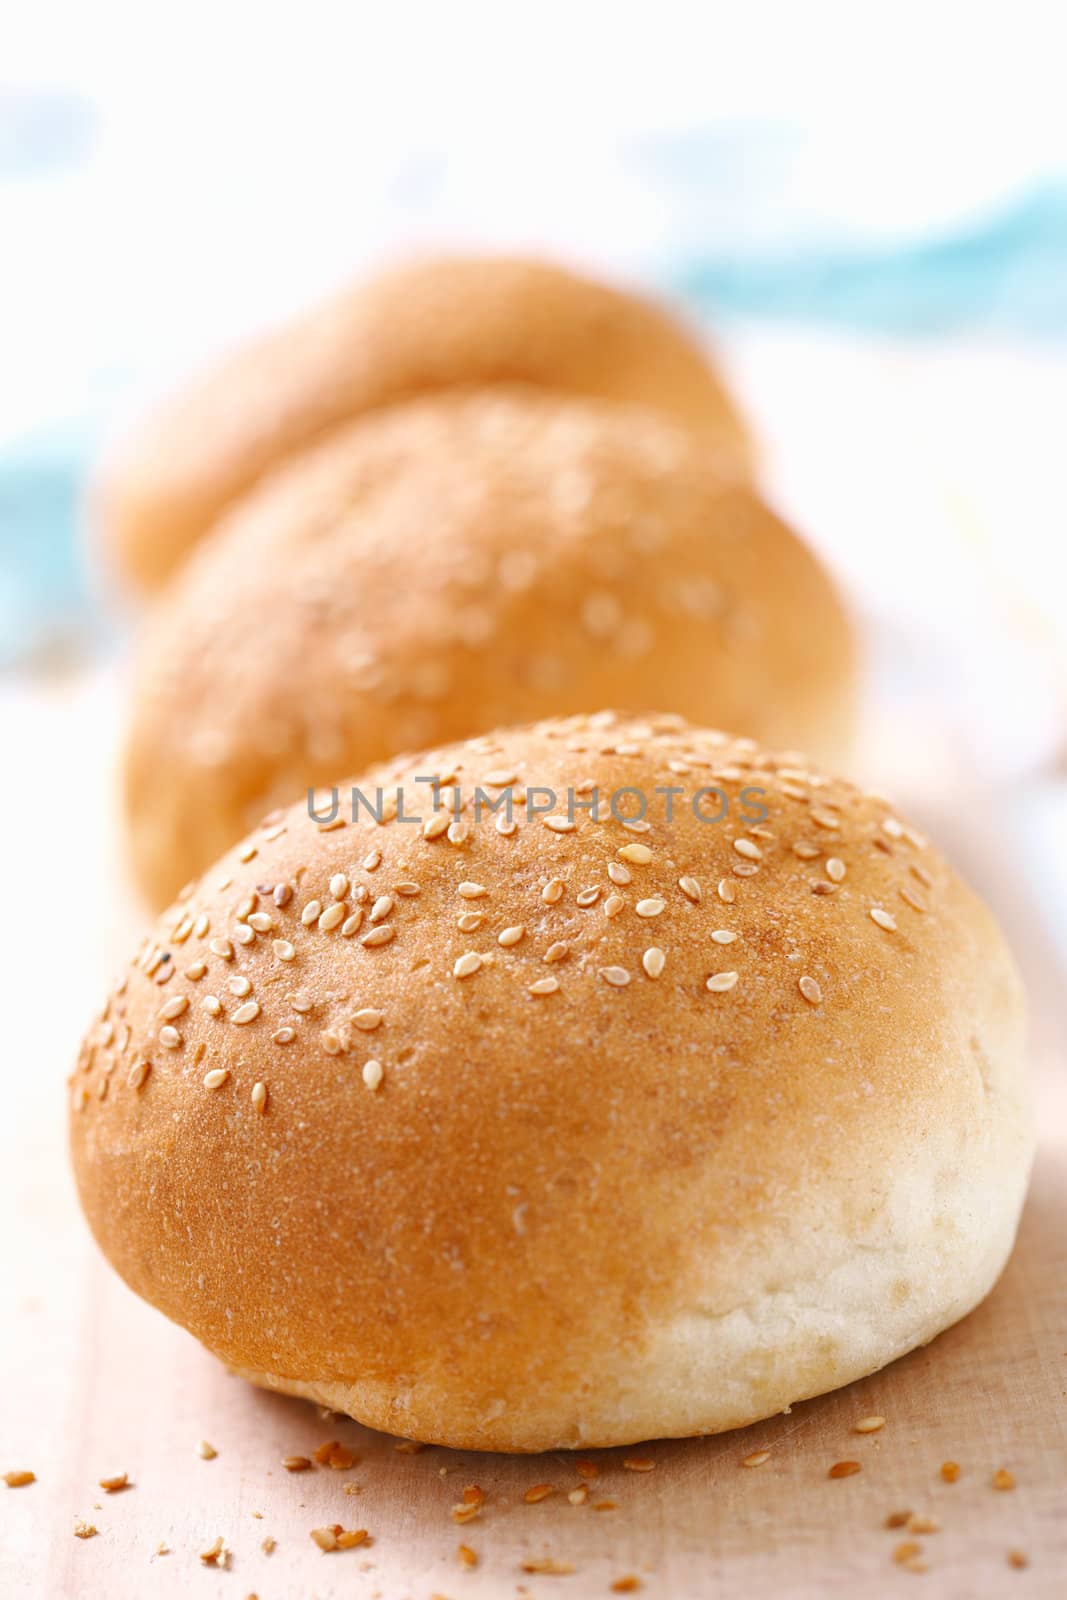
point(455, 565)
point(430, 325)
point(581, 1212)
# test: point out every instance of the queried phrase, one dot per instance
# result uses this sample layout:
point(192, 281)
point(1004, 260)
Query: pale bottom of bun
point(711, 1371)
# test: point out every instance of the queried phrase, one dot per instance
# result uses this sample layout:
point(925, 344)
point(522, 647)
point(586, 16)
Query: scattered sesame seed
point(618, 873)
point(333, 916)
point(472, 891)
point(239, 986)
point(904, 1554)
point(883, 919)
point(283, 893)
point(917, 1524)
point(1003, 1479)
point(825, 819)
point(383, 934)
point(196, 971)
point(175, 1007)
point(222, 948)
point(339, 885)
point(553, 891)
point(579, 1496)
point(116, 1483)
point(557, 951)
point(746, 848)
point(811, 991)
point(216, 1077)
point(170, 1038)
point(243, 933)
point(539, 1492)
point(639, 1463)
point(613, 905)
point(283, 1036)
point(283, 949)
point(245, 1013)
point(897, 1519)
point(1018, 1559)
point(260, 1097)
point(544, 986)
point(261, 921)
point(435, 826)
point(835, 869)
point(467, 965)
point(639, 854)
point(691, 889)
point(724, 936)
point(560, 824)
point(868, 1424)
point(368, 1018)
point(588, 897)
point(19, 1480)
point(720, 982)
point(548, 1566)
point(511, 936)
point(138, 1074)
point(950, 1471)
point(212, 1005)
point(910, 898)
point(296, 1463)
point(618, 977)
point(805, 851)
point(501, 778)
point(844, 1469)
point(653, 961)
point(726, 891)
point(650, 908)
point(628, 1584)
point(381, 908)
point(756, 1459)
point(372, 861)
point(373, 1073)
point(205, 1451)
point(352, 924)
point(311, 913)
point(407, 889)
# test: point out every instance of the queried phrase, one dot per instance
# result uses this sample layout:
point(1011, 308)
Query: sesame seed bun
point(432, 324)
point(464, 562)
point(564, 1133)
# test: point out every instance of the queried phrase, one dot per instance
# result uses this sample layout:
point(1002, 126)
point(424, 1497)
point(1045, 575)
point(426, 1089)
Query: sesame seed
point(726, 891)
point(910, 898)
point(283, 1036)
point(539, 1492)
point(557, 951)
point(243, 933)
point(653, 961)
point(205, 1451)
point(868, 1425)
point(499, 779)
point(212, 1005)
point(639, 854)
point(170, 1038)
point(352, 924)
point(805, 851)
point(618, 873)
point(649, 908)
point(175, 1007)
point(261, 921)
point(844, 1469)
point(544, 986)
point(222, 948)
point(810, 990)
point(300, 1002)
point(746, 848)
point(719, 982)
point(333, 916)
point(835, 869)
point(245, 1013)
point(196, 971)
point(435, 826)
point(407, 889)
point(472, 891)
point(691, 889)
point(724, 936)
point(1003, 1479)
point(950, 1471)
point(216, 1077)
point(259, 1097)
point(511, 936)
point(368, 1019)
point(883, 919)
point(283, 949)
point(553, 891)
point(339, 885)
point(618, 977)
point(138, 1074)
point(923, 1524)
point(469, 922)
point(588, 897)
point(296, 1463)
point(639, 1463)
point(311, 913)
point(579, 1496)
point(239, 987)
point(377, 936)
point(372, 860)
point(613, 905)
point(560, 824)
point(467, 965)
point(756, 1459)
point(506, 826)
point(283, 893)
point(919, 871)
point(373, 1073)
point(116, 1483)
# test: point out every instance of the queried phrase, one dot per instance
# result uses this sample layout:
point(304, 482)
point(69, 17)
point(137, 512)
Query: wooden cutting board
point(96, 1384)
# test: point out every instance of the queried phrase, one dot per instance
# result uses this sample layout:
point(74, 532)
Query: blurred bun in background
point(465, 561)
point(435, 324)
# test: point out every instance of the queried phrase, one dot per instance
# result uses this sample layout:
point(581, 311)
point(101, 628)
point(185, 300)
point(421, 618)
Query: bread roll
point(564, 1133)
point(453, 565)
point(430, 325)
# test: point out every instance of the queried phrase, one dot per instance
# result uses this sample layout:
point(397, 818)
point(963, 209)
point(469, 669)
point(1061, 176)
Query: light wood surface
point(96, 1384)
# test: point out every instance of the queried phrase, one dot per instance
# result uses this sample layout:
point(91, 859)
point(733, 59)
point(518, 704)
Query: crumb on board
point(1003, 1479)
point(548, 1566)
point(206, 1451)
point(868, 1425)
point(19, 1480)
point(216, 1555)
point(467, 1556)
point(950, 1471)
point(116, 1483)
point(296, 1463)
point(84, 1530)
point(844, 1469)
point(337, 1538)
